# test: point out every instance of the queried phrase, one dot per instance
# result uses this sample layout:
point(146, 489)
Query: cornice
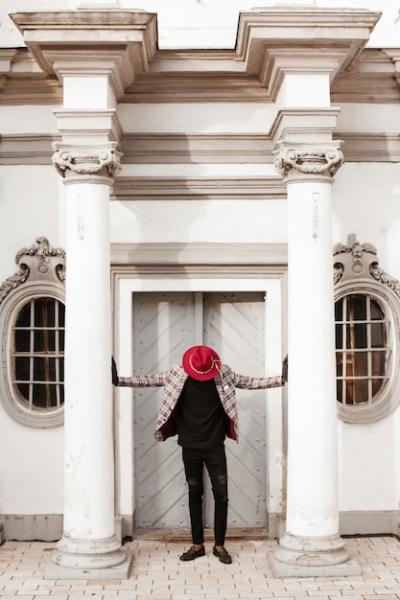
point(198, 188)
point(155, 148)
point(119, 44)
point(203, 76)
point(199, 253)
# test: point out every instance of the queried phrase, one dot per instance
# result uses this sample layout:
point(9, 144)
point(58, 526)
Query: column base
point(312, 556)
point(281, 569)
point(82, 558)
point(57, 571)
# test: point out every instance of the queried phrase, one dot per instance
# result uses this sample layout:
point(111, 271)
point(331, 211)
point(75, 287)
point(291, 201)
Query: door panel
point(234, 326)
point(163, 327)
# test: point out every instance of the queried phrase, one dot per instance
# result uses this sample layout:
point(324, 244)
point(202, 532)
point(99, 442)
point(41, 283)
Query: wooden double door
point(164, 326)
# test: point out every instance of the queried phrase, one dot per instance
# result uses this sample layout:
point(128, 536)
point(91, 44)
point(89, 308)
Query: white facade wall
point(366, 202)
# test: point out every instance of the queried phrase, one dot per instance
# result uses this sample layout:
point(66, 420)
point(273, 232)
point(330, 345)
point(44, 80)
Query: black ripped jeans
point(215, 461)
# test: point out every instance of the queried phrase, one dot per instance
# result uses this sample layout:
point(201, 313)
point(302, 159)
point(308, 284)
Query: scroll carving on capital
point(309, 159)
point(105, 159)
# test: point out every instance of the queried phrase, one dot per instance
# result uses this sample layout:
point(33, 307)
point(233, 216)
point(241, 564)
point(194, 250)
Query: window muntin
point(38, 354)
point(362, 352)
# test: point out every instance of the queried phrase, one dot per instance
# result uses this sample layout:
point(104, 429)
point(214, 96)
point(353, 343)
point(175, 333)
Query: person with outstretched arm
point(199, 404)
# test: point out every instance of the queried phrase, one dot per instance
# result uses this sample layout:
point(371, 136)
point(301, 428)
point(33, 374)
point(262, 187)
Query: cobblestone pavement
point(158, 574)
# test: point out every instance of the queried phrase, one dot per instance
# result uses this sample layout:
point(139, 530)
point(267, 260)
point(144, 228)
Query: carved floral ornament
point(87, 161)
point(38, 262)
point(355, 260)
point(309, 159)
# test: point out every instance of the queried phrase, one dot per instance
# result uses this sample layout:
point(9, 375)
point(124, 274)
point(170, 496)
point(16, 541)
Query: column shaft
point(312, 508)
point(89, 468)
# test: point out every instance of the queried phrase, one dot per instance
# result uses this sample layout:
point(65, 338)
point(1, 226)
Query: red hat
point(201, 362)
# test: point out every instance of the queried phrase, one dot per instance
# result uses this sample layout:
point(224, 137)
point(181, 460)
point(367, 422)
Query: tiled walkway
point(158, 574)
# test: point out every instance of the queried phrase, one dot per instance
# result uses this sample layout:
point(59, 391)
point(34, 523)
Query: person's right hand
point(114, 372)
point(285, 369)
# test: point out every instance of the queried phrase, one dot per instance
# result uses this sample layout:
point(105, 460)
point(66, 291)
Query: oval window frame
point(10, 396)
point(388, 397)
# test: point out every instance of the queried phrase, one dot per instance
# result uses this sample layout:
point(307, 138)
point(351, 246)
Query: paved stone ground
point(158, 574)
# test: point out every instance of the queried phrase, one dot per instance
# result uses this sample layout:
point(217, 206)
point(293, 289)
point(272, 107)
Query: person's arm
point(149, 380)
point(260, 383)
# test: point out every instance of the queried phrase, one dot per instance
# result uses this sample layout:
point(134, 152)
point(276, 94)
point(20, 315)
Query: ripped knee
point(220, 488)
point(195, 486)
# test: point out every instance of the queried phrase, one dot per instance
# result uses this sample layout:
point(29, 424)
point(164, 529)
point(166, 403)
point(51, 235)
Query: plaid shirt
point(173, 381)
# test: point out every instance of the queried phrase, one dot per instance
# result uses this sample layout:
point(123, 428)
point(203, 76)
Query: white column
point(89, 543)
point(312, 544)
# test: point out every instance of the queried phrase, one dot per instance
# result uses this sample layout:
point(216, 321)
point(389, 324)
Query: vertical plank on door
point(234, 326)
point(163, 327)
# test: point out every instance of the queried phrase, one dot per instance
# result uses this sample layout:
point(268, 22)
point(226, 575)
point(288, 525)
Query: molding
point(116, 43)
point(203, 255)
point(41, 273)
point(170, 148)
point(74, 161)
point(48, 527)
point(308, 160)
point(164, 148)
point(364, 522)
point(356, 270)
point(198, 188)
point(45, 527)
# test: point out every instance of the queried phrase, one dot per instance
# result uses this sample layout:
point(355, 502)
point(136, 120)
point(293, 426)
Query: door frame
point(143, 276)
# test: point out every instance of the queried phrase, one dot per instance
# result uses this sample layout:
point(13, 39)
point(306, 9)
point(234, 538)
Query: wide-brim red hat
point(201, 363)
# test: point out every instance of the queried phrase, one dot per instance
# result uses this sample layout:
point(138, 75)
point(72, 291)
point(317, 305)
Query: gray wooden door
point(164, 325)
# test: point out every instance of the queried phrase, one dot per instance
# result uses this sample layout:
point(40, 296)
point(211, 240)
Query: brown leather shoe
point(192, 553)
point(223, 555)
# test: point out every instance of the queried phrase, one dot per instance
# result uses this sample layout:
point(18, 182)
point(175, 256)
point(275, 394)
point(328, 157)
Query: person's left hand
point(114, 372)
point(285, 369)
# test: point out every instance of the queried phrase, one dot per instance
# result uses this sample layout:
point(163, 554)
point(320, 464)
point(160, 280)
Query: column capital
point(83, 164)
point(308, 161)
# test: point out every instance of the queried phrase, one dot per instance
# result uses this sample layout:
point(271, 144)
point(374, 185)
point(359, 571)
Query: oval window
point(361, 349)
point(38, 354)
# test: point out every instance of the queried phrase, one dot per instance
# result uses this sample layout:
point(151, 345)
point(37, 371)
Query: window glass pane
point(61, 336)
point(45, 341)
point(41, 395)
point(356, 335)
point(378, 335)
point(339, 310)
point(22, 368)
point(24, 316)
point(377, 385)
point(339, 336)
point(45, 312)
point(24, 390)
point(356, 307)
point(339, 363)
point(376, 311)
point(44, 369)
point(53, 395)
point(61, 394)
point(356, 391)
point(339, 385)
point(361, 391)
point(350, 391)
point(61, 314)
point(22, 340)
point(359, 362)
point(378, 361)
point(61, 369)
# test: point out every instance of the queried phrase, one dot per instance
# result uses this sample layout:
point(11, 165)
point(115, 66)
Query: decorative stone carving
point(309, 159)
point(355, 260)
point(87, 161)
point(38, 262)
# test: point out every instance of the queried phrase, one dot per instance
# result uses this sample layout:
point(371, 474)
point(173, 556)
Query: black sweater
point(199, 415)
